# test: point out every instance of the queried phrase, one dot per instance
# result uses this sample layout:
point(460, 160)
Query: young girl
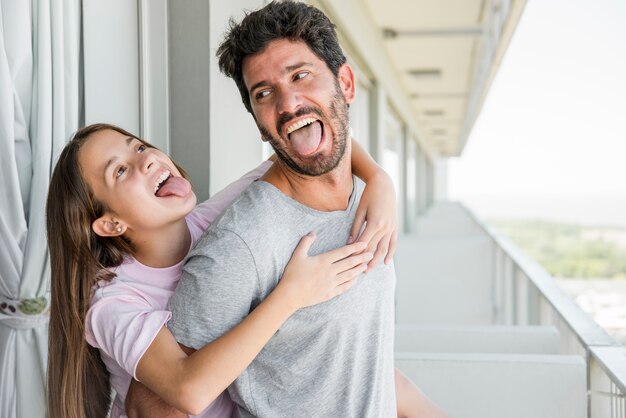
point(120, 220)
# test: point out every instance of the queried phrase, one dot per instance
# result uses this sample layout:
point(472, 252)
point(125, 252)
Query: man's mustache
point(303, 111)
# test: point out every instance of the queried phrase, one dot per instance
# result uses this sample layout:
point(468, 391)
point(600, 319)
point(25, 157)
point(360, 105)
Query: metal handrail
point(598, 344)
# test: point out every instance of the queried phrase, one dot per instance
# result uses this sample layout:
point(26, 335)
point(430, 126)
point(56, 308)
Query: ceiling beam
point(476, 31)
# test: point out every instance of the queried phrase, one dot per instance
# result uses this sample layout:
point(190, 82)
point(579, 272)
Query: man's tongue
point(174, 186)
point(306, 140)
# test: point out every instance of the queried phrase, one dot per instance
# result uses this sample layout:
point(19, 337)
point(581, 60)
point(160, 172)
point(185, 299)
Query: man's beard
point(316, 165)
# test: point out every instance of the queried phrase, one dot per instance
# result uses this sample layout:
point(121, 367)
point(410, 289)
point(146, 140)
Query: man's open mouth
point(306, 135)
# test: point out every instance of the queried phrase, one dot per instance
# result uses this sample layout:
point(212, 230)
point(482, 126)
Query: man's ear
point(107, 226)
point(346, 82)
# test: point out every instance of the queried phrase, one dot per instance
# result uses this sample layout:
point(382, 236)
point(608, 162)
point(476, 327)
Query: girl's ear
point(106, 226)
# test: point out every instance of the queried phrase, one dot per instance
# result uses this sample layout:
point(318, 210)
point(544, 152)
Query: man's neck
point(328, 192)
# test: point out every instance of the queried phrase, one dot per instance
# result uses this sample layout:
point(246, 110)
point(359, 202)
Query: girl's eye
point(120, 171)
point(141, 148)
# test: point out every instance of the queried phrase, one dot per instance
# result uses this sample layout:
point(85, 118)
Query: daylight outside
point(544, 162)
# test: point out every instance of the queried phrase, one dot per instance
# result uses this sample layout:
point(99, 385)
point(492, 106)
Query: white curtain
point(40, 106)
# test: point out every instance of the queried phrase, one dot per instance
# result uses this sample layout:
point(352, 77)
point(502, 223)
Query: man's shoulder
point(254, 200)
point(246, 216)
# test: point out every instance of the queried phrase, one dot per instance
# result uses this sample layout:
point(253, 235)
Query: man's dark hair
point(278, 20)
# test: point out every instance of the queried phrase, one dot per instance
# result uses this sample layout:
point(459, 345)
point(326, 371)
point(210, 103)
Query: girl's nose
point(147, 161)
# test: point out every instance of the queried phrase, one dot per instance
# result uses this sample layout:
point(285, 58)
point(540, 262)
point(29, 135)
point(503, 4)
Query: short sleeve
point(123, 326)
point(206, 212)
point(216, 291)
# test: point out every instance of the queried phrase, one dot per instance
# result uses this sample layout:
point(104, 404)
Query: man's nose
point(288, 101)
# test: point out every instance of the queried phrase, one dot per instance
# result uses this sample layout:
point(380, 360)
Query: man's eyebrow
point(296, 66)
point(287, 69)
point(129, 141)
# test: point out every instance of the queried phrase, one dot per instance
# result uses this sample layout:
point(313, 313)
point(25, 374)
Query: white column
point(235, 142)
point(111, 63)
point(154, 74)
point(440, 179)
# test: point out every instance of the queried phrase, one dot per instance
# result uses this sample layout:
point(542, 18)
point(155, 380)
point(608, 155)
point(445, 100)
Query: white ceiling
point(449, 38)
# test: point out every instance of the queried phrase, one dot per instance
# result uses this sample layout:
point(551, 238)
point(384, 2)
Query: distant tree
point(569, 251)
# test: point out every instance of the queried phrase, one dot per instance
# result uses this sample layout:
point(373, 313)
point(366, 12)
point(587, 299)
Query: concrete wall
point(477, 339)
point(189, 53)
point(500, 385)
point(213, 136)
point(444, 281)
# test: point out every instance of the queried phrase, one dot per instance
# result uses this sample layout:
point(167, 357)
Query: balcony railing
point(525, 294)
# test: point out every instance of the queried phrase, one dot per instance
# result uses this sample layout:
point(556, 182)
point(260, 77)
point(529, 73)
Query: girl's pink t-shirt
point(126, 313)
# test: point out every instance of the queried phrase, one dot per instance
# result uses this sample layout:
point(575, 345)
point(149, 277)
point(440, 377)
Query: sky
point(550, 142)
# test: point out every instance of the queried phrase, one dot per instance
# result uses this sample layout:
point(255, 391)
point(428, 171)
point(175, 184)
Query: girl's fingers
point(351, 262)
point(359, 220)
point(374, 242)
point(343, 252)
point(381, 250)
point(343, 287)
point(350, 274)
point(393, 244)
point(373, 232)
point(302, 250)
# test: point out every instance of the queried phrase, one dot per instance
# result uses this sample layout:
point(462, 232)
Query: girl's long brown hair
point(78, 381)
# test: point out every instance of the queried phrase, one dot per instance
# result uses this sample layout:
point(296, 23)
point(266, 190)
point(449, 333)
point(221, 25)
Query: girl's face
point(128, 177)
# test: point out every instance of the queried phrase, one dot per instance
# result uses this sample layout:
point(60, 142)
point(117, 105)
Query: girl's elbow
point(192, 409)
point(193, 400)
point(189, 405)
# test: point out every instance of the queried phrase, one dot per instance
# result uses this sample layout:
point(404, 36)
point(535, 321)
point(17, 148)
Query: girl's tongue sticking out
point(174, 186)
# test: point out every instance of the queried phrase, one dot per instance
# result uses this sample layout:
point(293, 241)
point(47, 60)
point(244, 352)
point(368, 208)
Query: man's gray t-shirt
point(334, 359)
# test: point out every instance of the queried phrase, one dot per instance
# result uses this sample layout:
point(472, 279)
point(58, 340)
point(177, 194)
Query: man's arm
point(141, 402)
